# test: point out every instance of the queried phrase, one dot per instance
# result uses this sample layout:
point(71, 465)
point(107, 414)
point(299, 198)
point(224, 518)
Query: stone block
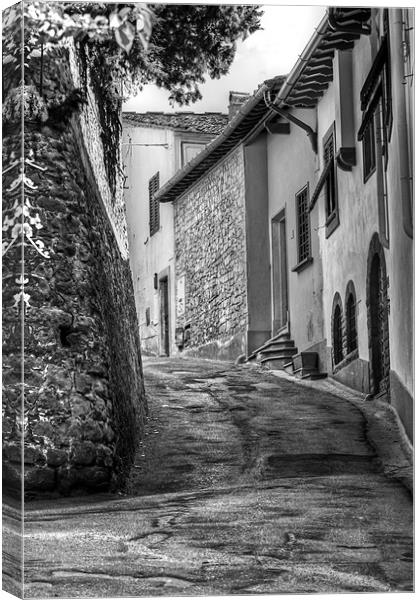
point(105, 456)
point(41, 479)
point(91, 430)
point(100, 386)
point(83, 383)
point(33, 455)
point(95, 477)
point(56, 457)
point(80, 406)
point(58, 377)
point(12, 478)
point(84, 453)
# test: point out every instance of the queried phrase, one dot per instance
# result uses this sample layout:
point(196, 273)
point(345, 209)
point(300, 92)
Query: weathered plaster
point(284, 154)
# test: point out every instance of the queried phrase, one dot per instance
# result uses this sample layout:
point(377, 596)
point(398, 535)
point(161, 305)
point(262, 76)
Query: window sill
point(346, 360)
point(332, 223)
point(303, 264)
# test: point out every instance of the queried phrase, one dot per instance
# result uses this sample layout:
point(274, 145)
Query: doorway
point(378, 324)
point(164, 316)
point(280, 278)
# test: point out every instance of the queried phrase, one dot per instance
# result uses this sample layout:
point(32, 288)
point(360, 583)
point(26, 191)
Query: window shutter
point(303, 225)
point(154, 221)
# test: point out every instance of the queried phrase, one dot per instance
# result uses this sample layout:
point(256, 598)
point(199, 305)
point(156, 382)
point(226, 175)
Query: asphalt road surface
point(245, 483)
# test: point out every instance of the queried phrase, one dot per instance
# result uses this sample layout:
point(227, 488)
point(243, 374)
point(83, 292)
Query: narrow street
point(245, 483)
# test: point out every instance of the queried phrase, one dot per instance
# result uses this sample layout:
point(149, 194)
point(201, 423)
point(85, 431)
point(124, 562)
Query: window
point(331, 204)
point(328, 183)
point(303, 226)
point(337, 329)
point(378, 83)
point(337, 335)
point(330, 197)
point(369, 153)
point(189, 150)
point(154, 221)
point(376, 125)
point(351, 330)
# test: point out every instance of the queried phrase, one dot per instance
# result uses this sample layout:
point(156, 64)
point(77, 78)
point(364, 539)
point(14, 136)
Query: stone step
point(270, 351)
point(252, 358)
point(275, 361)
point(288, 367)
point(281, 344)
point(280, 338)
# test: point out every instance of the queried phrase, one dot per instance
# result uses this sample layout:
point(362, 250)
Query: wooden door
point(164, 316)
point(280, 277)
point(379, 331)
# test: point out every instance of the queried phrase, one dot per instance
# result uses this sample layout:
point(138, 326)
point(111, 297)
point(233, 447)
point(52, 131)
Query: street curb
point(384, 429)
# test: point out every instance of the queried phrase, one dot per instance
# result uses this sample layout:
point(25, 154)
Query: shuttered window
point(337, 335)
point(303, 228)
point(351, 330)
point(154, 204)
point(369, 150)
point(330, 193)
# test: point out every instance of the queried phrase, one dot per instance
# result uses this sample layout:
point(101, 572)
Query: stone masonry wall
point(211, 262)
point(83, 395)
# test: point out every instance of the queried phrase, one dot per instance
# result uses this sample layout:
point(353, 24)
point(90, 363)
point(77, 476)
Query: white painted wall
point(149, 254)
point(147, 150)
point(345, 253)
point(291, 165)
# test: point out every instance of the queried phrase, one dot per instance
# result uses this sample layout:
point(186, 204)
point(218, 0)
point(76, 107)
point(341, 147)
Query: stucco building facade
point(323, 161)
point(155, 146)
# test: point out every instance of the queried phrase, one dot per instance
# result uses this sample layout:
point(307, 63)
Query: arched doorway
point(377, 302)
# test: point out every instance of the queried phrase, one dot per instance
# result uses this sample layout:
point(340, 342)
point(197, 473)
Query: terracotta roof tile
point(212, 123)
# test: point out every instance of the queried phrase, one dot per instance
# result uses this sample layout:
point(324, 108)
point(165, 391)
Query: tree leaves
point(192, 41)
point(53, 21)
point(125, 36)
point(174, 46)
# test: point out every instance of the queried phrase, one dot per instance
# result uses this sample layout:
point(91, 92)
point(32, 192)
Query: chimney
point(236, 99)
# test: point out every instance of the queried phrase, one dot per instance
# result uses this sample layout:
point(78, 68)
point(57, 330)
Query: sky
point(267, 53)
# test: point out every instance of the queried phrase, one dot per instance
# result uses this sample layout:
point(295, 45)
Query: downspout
point(405, 167)
point(281, 98)
point(286, 115)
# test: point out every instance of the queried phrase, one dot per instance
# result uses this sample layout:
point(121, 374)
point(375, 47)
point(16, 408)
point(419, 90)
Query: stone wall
point(211, 262)
point(90, 125)
point(83, 398)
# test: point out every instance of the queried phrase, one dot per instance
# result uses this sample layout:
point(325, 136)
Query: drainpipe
point(286, 115)
point(405, 167)
point(280, 102)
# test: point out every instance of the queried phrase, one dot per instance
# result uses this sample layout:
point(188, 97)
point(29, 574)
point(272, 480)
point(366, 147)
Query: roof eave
point(338, 30)
point(163, 195)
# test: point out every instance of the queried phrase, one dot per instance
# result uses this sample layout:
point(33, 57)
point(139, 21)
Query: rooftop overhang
point(313, 71)
point(249, 117)
point(302, 88)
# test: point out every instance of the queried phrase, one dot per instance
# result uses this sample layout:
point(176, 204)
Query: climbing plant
point(121, 47)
